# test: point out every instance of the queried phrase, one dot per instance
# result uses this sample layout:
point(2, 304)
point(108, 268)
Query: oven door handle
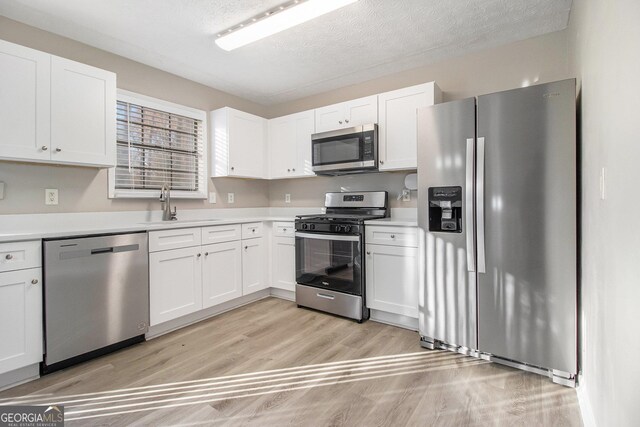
point(322, 236)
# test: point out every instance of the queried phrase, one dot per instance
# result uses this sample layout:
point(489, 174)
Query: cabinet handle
point(246, 247)
point(58, 149)
point(9, 256)
point(288, 170)
point(232, 168)
point(294, 169)
point(393, 236)
point(34, 282)
point(382, 162)
point(340, 121)
point(346, 120)
point(45, 148)
point(206, 254)
point(368, 253)
point(199, 255)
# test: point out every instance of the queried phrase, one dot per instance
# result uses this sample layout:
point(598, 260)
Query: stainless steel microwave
point(345, 151)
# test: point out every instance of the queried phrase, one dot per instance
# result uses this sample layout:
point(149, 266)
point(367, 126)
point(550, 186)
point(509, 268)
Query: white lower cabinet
point(392, 279)
point(284, 263)
point(254, 265)
point(20, 318)
point(221, 273)
point(175, 278)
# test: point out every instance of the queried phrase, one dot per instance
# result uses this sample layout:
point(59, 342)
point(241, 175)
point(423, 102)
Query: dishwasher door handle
point(80, 253)
point(101, 251)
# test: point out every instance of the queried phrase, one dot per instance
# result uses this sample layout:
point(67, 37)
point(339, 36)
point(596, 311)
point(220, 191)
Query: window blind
point(156, 147)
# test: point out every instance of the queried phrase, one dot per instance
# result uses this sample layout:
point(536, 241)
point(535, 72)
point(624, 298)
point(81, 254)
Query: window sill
point(155, 194)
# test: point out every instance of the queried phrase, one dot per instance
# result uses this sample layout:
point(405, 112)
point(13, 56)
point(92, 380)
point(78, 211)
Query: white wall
point(605, 46)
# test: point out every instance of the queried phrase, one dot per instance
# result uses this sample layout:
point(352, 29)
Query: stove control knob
point(347, 228)
point(312, 226)
point(305, 226)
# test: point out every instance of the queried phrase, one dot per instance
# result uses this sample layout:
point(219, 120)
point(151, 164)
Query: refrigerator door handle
point(471, 255)
point(480, 201)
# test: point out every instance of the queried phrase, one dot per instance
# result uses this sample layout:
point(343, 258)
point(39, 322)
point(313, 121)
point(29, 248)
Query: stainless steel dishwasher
point(96, 296)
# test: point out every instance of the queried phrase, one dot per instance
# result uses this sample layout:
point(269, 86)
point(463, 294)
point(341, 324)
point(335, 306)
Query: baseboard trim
point(283, 294)
point(393, 319)
point(585, 404)
point(181, 322)
point(19, 376)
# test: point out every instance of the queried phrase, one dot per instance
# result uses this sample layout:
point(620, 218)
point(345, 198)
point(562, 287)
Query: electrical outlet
point(231, 198)
point(51, 196)
point(287, 198)
point(603, 184)
point(212, 197)
point(406, 195)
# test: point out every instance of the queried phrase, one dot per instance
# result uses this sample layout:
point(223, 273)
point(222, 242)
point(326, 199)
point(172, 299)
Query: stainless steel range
point(329, 253)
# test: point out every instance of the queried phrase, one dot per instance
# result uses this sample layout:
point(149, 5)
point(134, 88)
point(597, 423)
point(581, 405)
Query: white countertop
point(55, 225)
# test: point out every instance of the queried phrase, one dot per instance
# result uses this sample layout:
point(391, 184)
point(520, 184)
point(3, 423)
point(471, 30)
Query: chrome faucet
point(165, 200)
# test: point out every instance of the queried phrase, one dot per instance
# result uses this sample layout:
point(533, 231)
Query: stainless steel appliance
point(96, 296)
point(345, 151)
point(329, 259)
point(497, 204)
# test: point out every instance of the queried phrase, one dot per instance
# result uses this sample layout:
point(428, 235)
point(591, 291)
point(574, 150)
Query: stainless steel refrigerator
point(497, 209)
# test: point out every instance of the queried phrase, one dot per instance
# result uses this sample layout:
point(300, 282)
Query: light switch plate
point(213, 197)
point(1, 190)
point(287, 198)
point(231, 198)
point(51, 196)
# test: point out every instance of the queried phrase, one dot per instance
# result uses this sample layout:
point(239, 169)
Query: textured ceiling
point(362, 41)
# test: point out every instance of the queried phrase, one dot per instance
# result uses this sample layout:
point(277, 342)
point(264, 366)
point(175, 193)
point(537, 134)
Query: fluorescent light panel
point(278, 20)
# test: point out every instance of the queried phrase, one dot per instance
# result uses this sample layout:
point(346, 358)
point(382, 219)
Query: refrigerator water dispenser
point(445, 209)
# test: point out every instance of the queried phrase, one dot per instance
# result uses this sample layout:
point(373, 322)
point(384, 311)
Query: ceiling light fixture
point(279, 19)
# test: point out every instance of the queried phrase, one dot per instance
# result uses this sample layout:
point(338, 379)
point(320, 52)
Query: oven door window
point(334, 151)
point(330, 264)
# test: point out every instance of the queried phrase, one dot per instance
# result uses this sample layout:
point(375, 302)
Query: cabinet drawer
point(221, 233)
point(251, 230)
point(394, 236)
point(174, 239)
point(20, 255)
point(284, 229)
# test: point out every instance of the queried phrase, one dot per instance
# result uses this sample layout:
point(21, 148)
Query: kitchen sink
point(179, 221)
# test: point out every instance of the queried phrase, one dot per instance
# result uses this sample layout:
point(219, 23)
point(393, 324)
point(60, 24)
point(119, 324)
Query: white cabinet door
point(247, 140)
point(83, 114)
point(361, 111)
point(221, 273)
point(20, 318)
point(24, 103)
point(397, 125)
point(392, 279)
point(284, 263)
point(175, 283)
point(290, 145)
point(282, 147)
point(330, 117)
point(254, 265)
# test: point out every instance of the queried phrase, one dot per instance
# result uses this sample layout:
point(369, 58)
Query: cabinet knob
point(288, 170)
point(58, 149)
point(34, 282)
point(294, 169)
point(206, 254)
point(199, 255)
point(368, 253)
point(393, 236)
point(9, 256)
point(232, 168)
point(246, 247)
point(45, 148)
point(346, 120)
point(340, 121)
point(381, 162)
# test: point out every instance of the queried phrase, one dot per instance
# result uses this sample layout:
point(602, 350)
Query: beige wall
point(540, 59)
point(605, 46)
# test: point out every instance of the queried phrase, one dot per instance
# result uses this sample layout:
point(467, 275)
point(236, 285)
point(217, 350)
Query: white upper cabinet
point(53, 110)
point(238, 142)
point(24, 102)
point(83, 114)
point(290, 145)
point(397, 125)
point(347, 114)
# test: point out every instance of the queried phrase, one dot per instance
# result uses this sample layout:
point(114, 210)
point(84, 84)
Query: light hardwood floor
point(271, 364)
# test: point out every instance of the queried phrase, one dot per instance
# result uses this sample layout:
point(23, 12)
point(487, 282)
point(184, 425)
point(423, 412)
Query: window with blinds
point(155, 147)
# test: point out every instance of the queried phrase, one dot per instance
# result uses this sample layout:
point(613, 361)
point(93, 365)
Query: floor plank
point(271, 363)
